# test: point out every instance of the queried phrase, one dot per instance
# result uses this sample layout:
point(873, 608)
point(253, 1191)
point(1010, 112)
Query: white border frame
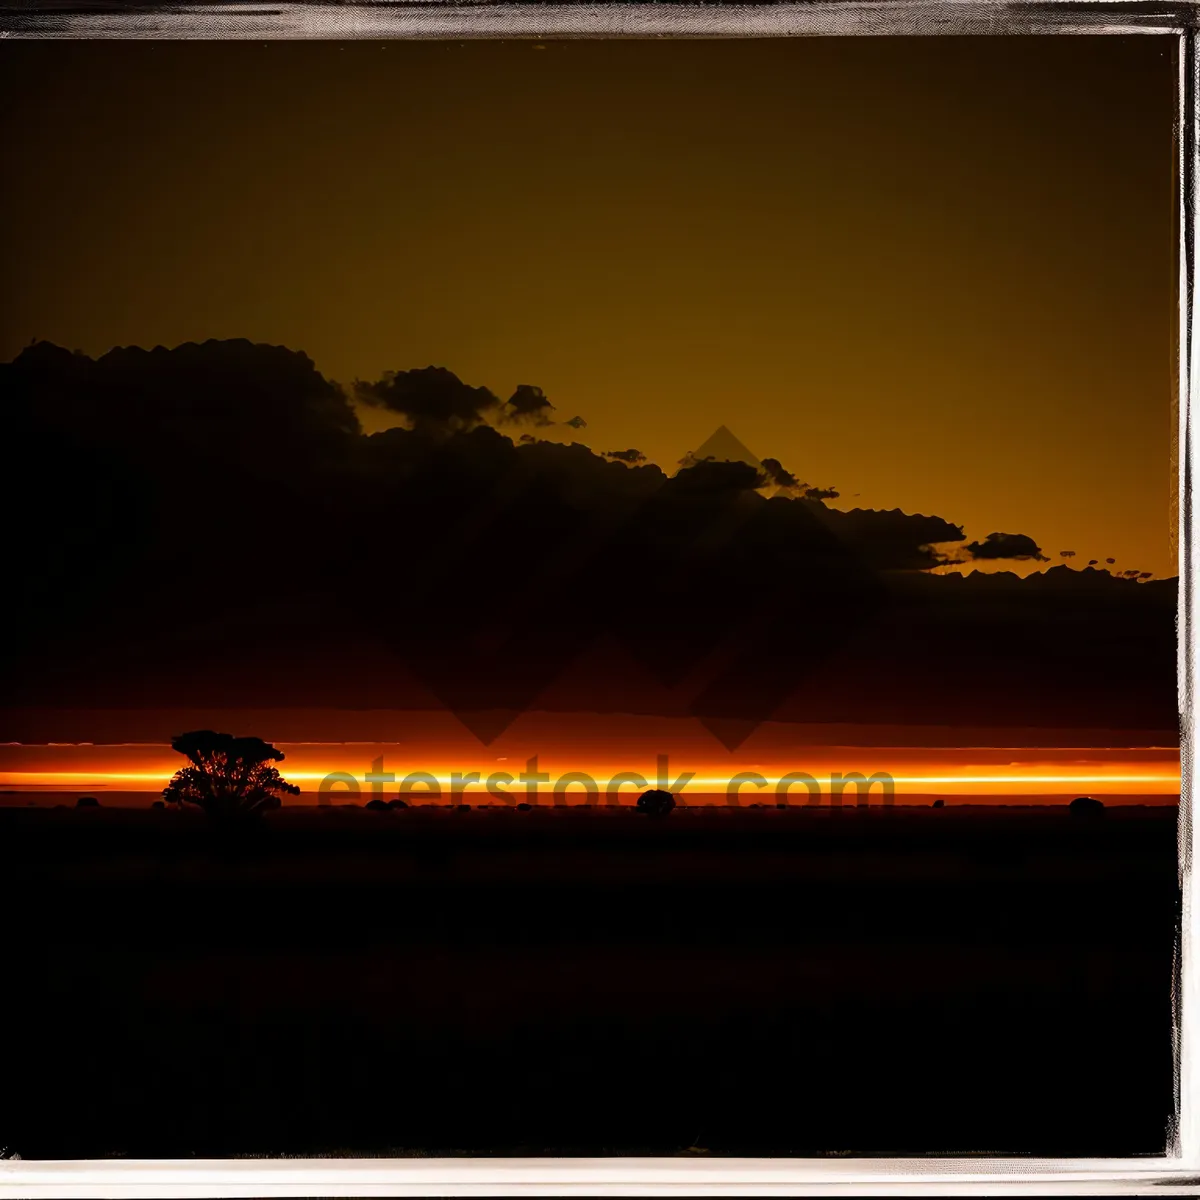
point(604, 1177)
point(1177, 1170)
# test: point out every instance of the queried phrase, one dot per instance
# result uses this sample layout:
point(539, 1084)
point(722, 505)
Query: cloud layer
point(182, 513)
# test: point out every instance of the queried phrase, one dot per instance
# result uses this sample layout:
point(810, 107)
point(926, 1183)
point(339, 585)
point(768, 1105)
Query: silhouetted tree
point(377, 805)
point(656, 802)
point(1086, 806)
point(230, 777)
point(87, 802)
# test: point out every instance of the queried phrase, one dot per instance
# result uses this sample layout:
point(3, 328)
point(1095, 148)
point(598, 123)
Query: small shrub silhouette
point(159, 804)
point(524, 806)
point(377, 805)
point(1086, 806)
point(87, 802)
point(394, 804)
point(939, 804)
point(656, 803)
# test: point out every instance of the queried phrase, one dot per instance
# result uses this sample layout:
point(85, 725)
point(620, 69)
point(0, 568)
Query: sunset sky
point(937, 274)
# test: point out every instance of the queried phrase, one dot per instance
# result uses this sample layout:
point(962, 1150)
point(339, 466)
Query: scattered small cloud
point(527, 404)
point(779, 475)
point(1006, 545)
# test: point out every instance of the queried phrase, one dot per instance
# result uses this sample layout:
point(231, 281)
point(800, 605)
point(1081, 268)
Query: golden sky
point(936, 273)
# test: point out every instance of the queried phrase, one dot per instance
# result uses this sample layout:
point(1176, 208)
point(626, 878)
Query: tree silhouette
point(230, 777)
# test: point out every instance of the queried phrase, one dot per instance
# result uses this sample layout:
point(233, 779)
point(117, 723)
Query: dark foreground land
point(590, 982)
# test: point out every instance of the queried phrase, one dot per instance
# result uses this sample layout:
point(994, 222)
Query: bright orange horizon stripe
point(1168, 782)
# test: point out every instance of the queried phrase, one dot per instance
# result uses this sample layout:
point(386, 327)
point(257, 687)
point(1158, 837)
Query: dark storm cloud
point(714, 477)
point(262, 412)
point(265, 410)
point(431, 399)
point(218, 403)
point(778, 474)
point(1006, 545)
point(775, 474)
point(206, 502)
point(528, 404)
point(894, 540)
point(238, 386)
point(434, 400)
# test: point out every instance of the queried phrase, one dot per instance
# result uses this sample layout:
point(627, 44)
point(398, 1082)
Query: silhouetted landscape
point(590, 981)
